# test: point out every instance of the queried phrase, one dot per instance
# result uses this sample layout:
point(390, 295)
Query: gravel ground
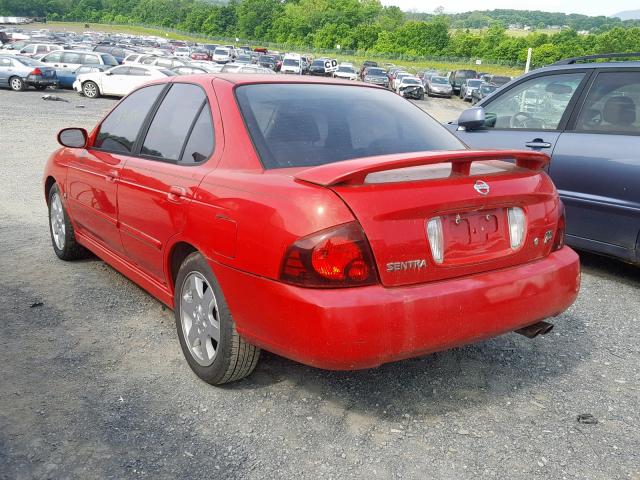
point(93, 383)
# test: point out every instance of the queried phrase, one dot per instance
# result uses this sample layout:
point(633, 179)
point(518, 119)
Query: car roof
point(581, 66)
point(253, 78)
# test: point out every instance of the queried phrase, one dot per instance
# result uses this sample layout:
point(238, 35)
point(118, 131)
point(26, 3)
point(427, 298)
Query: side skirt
point(129, 270)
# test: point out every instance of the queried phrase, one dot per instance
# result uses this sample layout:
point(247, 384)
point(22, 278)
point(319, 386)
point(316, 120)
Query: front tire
point(90, 89)
point(63, 237)
point(207, 333)
point(17, 84)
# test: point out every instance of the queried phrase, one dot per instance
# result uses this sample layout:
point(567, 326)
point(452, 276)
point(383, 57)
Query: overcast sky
point(589, 7)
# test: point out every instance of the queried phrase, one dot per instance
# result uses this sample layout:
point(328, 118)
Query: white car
point(117, 81)
point(292, 63)
point(346, 72)
point(182, 52)
point(222, 55)
point(411, 87)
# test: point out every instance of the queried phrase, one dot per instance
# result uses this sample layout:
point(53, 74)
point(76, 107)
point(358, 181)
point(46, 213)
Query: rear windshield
point(109, 60)
point(290, 62)
point(466, 74)
point(221, 51)
point(442, 80)
point(296, 125)
point(411, 81)
point(376, 71)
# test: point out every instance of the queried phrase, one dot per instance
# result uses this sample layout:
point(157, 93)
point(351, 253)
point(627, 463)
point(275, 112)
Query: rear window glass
point(108, 59)
point(304, 125)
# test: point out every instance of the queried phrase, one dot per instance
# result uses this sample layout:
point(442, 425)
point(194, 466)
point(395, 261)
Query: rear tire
point(207, 333)
point(63, 237)
point(17, 84)
point(90, 89)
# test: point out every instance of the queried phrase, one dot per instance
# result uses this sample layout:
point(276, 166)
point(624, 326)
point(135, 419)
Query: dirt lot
point(93, 383)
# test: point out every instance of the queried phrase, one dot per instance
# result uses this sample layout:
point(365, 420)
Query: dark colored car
point(586, 115)
point(499, 80)
point(458, 77)
point(366, 64)
point(18, 73)
point(118, 53)
point(268, 61)
point(485, 90)
point(66, 78)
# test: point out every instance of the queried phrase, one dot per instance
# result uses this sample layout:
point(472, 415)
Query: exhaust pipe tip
point(532, 331)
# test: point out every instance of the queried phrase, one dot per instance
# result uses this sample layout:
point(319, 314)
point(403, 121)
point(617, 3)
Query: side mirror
point(472, 118)
point(73, 137)
point(108, 72)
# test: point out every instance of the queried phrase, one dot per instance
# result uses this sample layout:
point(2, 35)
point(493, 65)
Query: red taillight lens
point(36, 71)
point(336, 257)
point(558, 240)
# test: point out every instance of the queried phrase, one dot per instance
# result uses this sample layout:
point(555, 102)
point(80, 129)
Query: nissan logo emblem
point(481, 187)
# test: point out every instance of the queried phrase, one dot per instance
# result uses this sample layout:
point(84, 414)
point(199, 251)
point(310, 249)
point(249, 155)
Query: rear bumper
point(344, 329)
point(35, 80)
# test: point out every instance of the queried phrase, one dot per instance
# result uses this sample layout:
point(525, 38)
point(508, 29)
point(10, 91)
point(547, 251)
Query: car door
point(116, 81)
point(157, 186)
point(6, 69)
point(93, 174)
point(596, 165)
point(528, 115)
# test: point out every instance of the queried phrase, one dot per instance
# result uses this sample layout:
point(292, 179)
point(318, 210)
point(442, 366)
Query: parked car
point(183, 52)
point(366, 64)
point(117, 81)
point(468, 87)
point(38, 49)
point(18, 73)
point(66, 78)
point(438, 87)
point(267, 61)
point(397, 78)
point(346, 72)
point(585, 112)
point(292, 63)
point(324, 67)
point(117, 52)
point(200, 54)
point(411, 87)
point(208, 66)
point(498, 80)
point(222, 55)
point(244, 58)
point(67, 62)
point(360, 251)
point(376, 76)
point(163, 62)
point(485, 90)
point(457, 78)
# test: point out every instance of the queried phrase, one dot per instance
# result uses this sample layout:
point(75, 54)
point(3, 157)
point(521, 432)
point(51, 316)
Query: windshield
point(465, 74)
point(29, 62)
point(313, 124)
point(346, 69)
point(267, 59)
point(290, 62)
point(318, 63)
point(243, 59)
point(488, 88)
point(221, 51)
point(474, 83)
point(376, 72)
point(439, 80)
point(411, 81)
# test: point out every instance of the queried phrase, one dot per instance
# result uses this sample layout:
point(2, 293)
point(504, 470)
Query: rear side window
point(201, 140)
point(91, 60)
point(120, 129)
point(172, 122)
point(53, 57)
point(613, 104)
point(108, 59)
point(72, 57)
point(303, 125)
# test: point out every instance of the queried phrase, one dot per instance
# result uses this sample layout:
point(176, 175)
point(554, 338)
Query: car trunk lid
point(470, 192)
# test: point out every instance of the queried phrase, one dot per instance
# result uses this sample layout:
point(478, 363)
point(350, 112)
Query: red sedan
point(332, 223)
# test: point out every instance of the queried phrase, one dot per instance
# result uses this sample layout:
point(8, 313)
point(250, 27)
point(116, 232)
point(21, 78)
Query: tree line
point(362, 25)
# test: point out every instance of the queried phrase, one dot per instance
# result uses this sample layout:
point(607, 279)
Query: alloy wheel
point(56, 217)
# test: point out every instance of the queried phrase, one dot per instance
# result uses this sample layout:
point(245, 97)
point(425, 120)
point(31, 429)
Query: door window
point(42, 49)
point(53, 57)
point(172, 122)
point(91, 60)
point(120, 129)
point(612, 105)
point(120, 71)
point(72, 57)
point(139, 72)
point(201, 140)
point(535, 104)
point(5, 62)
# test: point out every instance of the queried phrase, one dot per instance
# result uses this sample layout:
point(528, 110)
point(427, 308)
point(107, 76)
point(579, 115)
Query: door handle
point(112, 176)
point(177, 194)
point(538, 143)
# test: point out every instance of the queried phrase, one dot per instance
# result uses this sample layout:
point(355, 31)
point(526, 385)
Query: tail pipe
point(532, 331)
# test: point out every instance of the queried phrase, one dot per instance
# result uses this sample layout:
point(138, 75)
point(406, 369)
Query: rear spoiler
point(354, 172)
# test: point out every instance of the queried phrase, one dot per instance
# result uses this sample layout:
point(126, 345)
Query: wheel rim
point(90, 90)
point(16, 84)
point(200, 318)
point(56, 216)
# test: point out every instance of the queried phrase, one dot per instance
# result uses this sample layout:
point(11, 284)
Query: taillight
point(558, 240)
point(337, 257)
point(516, 226)
point(436, 239)
point(36, 71)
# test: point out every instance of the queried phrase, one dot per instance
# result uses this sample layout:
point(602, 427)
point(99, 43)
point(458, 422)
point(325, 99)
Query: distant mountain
point(628, 15)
